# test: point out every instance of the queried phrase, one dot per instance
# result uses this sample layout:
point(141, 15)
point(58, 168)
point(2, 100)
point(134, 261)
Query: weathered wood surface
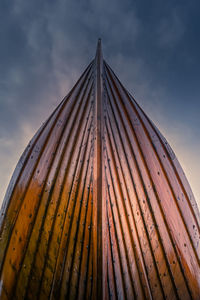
point(98, 206)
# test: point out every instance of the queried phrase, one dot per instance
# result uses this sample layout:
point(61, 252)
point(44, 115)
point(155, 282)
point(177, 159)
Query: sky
point(152, 46)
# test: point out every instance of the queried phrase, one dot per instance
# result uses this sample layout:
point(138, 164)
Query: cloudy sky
point(153, 47)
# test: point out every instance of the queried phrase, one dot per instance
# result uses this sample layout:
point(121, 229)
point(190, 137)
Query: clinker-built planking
point(98, 206)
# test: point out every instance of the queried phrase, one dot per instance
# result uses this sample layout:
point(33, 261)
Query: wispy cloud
point(170, 30)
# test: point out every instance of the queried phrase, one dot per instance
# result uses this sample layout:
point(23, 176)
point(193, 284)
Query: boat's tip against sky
point(98, 206)
point(154, 48)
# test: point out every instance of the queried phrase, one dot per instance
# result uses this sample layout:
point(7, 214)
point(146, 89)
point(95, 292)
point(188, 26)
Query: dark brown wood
point(98, 206)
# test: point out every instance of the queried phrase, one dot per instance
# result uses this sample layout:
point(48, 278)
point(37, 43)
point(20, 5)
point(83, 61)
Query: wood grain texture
point(98, 206)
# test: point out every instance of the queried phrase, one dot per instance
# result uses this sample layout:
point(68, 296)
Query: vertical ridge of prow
point(99, 53)
point(98, 168)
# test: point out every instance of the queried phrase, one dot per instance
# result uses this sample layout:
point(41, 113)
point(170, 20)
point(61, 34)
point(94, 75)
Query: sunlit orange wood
point(98, 206)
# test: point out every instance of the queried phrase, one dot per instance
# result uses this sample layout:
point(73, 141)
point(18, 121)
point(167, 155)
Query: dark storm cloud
point(152, 45)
